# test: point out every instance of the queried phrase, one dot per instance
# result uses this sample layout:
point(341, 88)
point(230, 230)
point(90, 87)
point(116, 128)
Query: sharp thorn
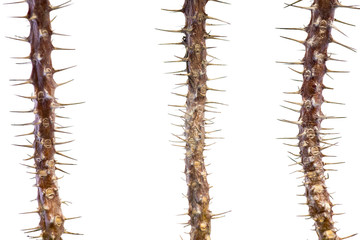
point(66, 219)
point(301, 29)
point(334, 102)
point(19, 16)
point(290, 145)
point(215, 25)
point(291, 4)
point(70, 104)
point(61, 170)
point(297, 92)
point(27, 57)
point(218, 1)
point(217, 90)
point(53, 19)
point(30, 111)
point(178, 43)
point(217, 103)
point(14, 2)
point(32, 231)
point(61, 34)
point(343, 45)
point(292, 122)
point(216, 19)
point(31, 98)
point(171, 10)
point(67, 232)
point(58, 116)
point(296, 71)
point(57, 48)
point(331, 117)
point(296, 155)
point(172, 31)
point(329, 76)
point(27, 229)
point(334, 59)
point(25, 39)
point(37, 211)
point(27, 165)
point(60, 143)
point(296, 103)
point(350, 236)
point(22, 124)
point(180, 71)
point(26, 134)
point(334, 163)
point(306, 8)
point(62, 131)
point(344, 6)
point(336, 20)
point(179, 106)
point(334, 27)
point(332, 71)
point(63, 5)
point(63, 69)
point(291, 63)
point(61, 84)
point(27, 146)
point(211, 79)
point(23, 83)
point(294, 110)
point(61, 154)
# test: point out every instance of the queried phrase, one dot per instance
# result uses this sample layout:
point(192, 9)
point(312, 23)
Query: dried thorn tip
point(14, 2)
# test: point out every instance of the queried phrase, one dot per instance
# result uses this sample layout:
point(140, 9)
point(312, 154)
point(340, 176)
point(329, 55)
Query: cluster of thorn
point(311, 141)
point(51, 224)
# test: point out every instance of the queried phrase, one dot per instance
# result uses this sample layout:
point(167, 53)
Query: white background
point(128, 183)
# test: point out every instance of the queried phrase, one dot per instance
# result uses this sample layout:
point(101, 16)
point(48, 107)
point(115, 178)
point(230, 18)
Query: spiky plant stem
point(51, 216)
point(311, 116)
point(196, 63)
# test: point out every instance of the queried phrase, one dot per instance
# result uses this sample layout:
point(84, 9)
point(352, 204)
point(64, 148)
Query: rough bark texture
point(316, 44)
point(196, 63)
point(51, 217)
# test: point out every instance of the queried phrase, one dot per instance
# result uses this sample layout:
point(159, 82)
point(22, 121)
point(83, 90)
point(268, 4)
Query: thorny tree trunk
point(51, 224)
point(51, 217)
point(311, 116)
point(316, 44)
point(196, 175)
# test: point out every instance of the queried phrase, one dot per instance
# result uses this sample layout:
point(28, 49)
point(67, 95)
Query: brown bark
point(196, 63)
point(51, 217)
point(316, 45)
